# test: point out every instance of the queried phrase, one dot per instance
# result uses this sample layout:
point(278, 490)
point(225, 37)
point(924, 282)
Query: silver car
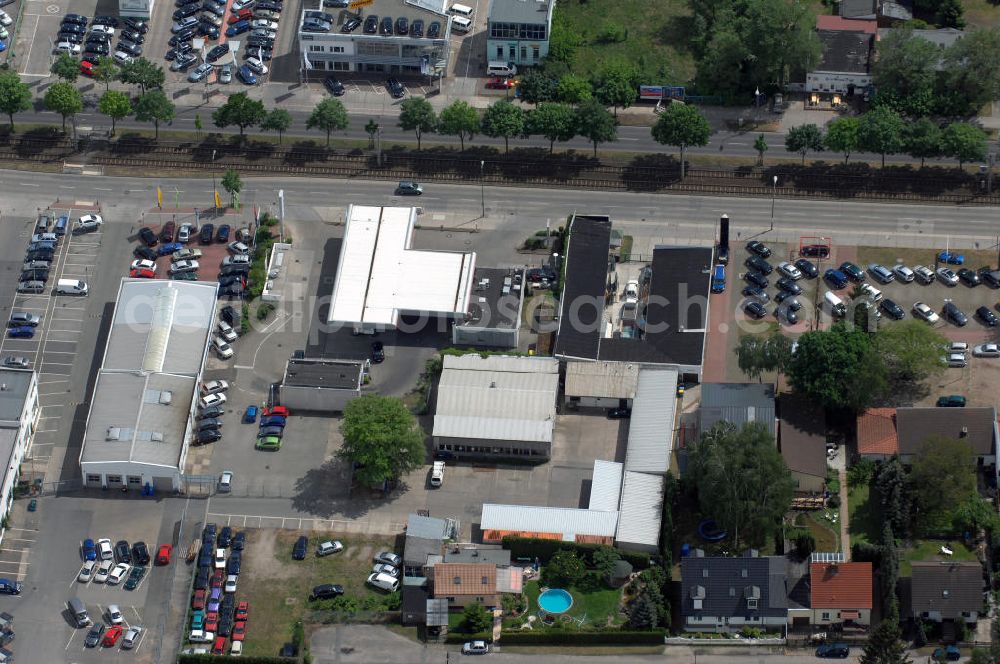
point(200, 72)
point(31, 287)
point(226, 74)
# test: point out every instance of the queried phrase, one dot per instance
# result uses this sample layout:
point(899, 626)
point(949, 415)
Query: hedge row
point(459, 637)
point(653, 637)
point(215, 659)
point(544, 549)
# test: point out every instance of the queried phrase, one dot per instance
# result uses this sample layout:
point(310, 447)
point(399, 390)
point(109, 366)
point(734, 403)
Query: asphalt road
point(631, 139)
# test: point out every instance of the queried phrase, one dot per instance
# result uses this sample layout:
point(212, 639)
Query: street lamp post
point(482, 185)
point(774, 192)
point(214, 206)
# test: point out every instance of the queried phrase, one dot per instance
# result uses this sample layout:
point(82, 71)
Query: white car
point(89, 220)
point(115, 614)
point(383, 568)
point(87, 571)
point(242, 4)
point(921, 310)
point(185, 232)
point(213, 386)
point(238, 248)
point(68, 47)
point(185, 254)
point(237, 259)
point(223, 350)
point(327, 548)
point(236, 649)
point(226, 481)
point(230, 586)
point(118, 574)
point(256, 65)
point(210, 400)
point(790, 271)
point(101, 576)
point(184, 266)
point(220, 559)
point(986, 350)
point(201, 636)
point(475, 648)
point(227, 332)
point(105, 551)
point(956, 360)
point(947, 276)
point(262, 23)
point(5, 18)
point(143, 264)
point(131, 637)
point(903, 273)
point(102, 30)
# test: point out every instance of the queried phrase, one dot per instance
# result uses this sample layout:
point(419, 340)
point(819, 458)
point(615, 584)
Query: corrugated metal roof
point(737, 403)
point(606, 486)
point(500, 405)
point(603, 380)
point(641, 510)
point(565, 521)
point(379, 276)
point(651, 428)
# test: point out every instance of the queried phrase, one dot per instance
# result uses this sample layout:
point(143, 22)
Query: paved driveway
point(359, 643)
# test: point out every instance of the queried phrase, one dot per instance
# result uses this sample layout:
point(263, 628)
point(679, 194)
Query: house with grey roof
point(975, 426)
point(720, 594)
point(518, 31)
point(737, 403)
point(885, 12)
point(946, 591)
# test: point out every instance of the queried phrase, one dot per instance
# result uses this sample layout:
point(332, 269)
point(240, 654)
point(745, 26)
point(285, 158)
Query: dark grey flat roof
point(586, 279)
point(845, 51)
point(519, 11)
point(334, 374)
point(490, 306)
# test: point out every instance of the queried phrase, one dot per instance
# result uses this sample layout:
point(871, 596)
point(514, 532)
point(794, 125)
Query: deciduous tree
point(922, 139)
point(964, 142)
point(503, 120)
point(757, 354)
point(278, 120)
point(329, 115)
point(240, 111)
point(942, 476)
point(837, 368)
point(564, 569)
point(972, 69)
point(143, 73)
point(381, 439)
point(682, 126)
point(881, 131)
point(906, 68)
point(15, 96)
point(459, 119)
point(803, 139)
point(595, 123)
point(155, 107)
point(842, 136)
point(618, 85)
point(233, 185)
point(106, 71)
point(417, 115)
point(556, 122)
point(63, 99)
point(476, 619)
point(573, 89)
point(760, 145)
point(742, 481)
point(536, 87)
point(66, 67)
point(116, 105)
point(950, 14)
point(910, 351)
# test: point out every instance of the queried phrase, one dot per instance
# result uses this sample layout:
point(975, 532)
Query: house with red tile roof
point(841, 593)
point(876, 434)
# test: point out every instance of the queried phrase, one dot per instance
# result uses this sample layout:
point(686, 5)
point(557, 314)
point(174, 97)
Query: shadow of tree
point(321, 492)
point(651, 172)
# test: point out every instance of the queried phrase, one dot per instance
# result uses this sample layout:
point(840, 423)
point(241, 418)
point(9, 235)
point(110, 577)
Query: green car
point(269, 443)
point(951, 401)
point(135, 577)
point(197, 619)
point(185, 276)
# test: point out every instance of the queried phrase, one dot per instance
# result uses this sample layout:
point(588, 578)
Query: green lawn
point(981, 14)
point(825, 533)
point(909, 256)
point(931, 550)
point(864, 519)
point(598, 606)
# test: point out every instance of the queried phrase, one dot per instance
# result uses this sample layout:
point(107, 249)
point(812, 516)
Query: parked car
point(903, 273)
point(951, 401)
point(475, 648)
point(968, 277)
point(986, 315)
point(893, 310)
point(326, 591)
point(300, 547)
point(853, 272)
point(759, 248)
point(835, 650)
point(986, 350)
point(335, 87)
point(329, 547)
point(947, 276)
point(759, 264)
point(755, 310)
point(921, 310)
point(881, 273)
point(790, 271)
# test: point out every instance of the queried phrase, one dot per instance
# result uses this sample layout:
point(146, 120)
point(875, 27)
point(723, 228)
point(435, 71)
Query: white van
point(836, 305)
point(500, 68)
point(461, 10)
point(460, 24)
point(384, 581)
point(872, 293)
point(437, 473)
point(71, 287)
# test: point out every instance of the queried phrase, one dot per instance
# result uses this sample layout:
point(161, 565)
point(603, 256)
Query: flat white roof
point(606, 486)
point(641, 509)
point(379, 277)
point(565, 521)
point(651, 427)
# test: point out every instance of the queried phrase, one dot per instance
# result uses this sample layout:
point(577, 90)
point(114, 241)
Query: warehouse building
point(497, 406)
point(145, 396)
point(321, 385)
point(494, 317)
point(19, 410)
point(380, 278)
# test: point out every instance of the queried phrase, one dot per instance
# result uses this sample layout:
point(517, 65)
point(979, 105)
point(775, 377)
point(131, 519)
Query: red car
point(500, 84)
point(276, 410)
point(198, 601)
point(242, 611)
point(87, 68)
point(212, 622)
point(112, 635)
point(163, 554)
point(241, 15)
point(144, 273)
point(218, 576)
point(239, 630)
point(220, 646)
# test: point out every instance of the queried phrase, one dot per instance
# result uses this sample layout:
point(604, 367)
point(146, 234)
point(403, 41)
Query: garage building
point(144, 400)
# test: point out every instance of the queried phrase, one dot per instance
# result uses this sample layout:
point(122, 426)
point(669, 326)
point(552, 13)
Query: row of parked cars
point(76, 39)
point(40, 255)
point(216, 617)
point(210, 412)
point(272, 428)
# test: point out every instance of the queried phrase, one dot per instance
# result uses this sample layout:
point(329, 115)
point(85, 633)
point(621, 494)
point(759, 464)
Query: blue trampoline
point(710, 531)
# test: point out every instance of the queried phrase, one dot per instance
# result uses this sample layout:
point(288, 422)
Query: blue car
point(246, 75)
point(238, 28)
point(836, 278)
point(3, 46)
point(272, 421)
point(169, 248)
point(21, 332)
point(950, 258)
point(89, 550)
point(250, 416)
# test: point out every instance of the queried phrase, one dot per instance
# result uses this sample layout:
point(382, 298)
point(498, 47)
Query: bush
point(264, 310)
point(863, 552)
point(529, 548)
point(861, 473)
point(834, 501)
point(612, 33)
point(655, 636)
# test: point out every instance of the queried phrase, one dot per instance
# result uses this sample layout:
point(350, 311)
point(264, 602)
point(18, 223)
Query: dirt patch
point(264, 561)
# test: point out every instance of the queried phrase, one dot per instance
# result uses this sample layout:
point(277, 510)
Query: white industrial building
point(641, 512)
point(651, 427)
point(496, 406)
point(605, 486)
point(564, 523)
point(601, 384)
point(19, 410)
point(145, 396)
point(380, 278)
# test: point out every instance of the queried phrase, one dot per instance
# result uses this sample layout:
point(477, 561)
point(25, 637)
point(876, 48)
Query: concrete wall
point(318, 399)
point(115, 475)
point(832, 616)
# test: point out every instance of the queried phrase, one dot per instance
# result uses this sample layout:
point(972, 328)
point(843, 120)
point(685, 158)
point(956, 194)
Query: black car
point(130, 48)
point(137, 25)
point(201, 579)
point(225, 625)
point(954, 314)
point(269, 5)
point(371, 24)
point(133, 36)
point(206, 234)
point(123, 552)
point(239, 541)
point(417, 28)
point(378, 352)
point(222, 235)
point(756, 278)
point(326, 591)
point(619, 413)
point(258, 41)
point(225, 537)
point(34, 275)
point(262, 54)
point(755, 310)
point(216, 52)
point(759, 248)
point(213, 412)
point(835, 650)
point(205, 437)
point(231, 316)
point(395, 88)
point(208, 533)
point(786, 284)
point(402, 26)
point(97, 48)
point(40, 255)
point(213, 8)
point(76, 19)
point(232, 290)
point(73, 27)
point(208, 30)
point(235, 558)
point(71, 37)
point(109, 21)
point(94, 635)
point(231, 279)
point(184, 12)
point(180, 49)
point(322, 16)
point(755, 293)
point(182, 37)
point(350, 25)
point(270, 431)
point(759, 264)
point(148, 237)
point(228, 605)
point(185, 3)
point(385, 27)
point(853, 272)
point(788, 314)
point(140, 553)
point(807, 268)
point(335, 87)
point(299, 550)
point(98, 38)
point(987, 316)
point(989, 276)
point(434, 30)
point(893, 310)
point(815, 251)
point(238, 268)
point(968, 277)
point(205, 555)
point(209, 424)
point(788, 299)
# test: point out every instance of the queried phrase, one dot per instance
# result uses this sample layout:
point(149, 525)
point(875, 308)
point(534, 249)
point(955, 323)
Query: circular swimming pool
point(556, 600)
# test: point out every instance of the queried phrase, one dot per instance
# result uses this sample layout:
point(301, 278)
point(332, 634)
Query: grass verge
point(863, 515)
point(889, 256)
point(827, 538)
